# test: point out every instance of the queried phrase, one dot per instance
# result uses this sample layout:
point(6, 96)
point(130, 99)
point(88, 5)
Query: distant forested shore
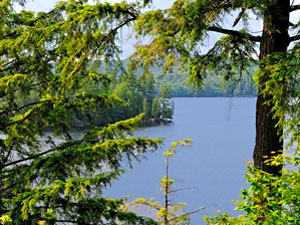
point(215, 85)
point(150, 92)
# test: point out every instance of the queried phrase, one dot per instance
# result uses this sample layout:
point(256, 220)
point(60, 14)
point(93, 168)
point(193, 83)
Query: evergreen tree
point(178, 32)
point(146, 84)
point(156, 112)
point(147, 108)
point(50, 177)
point(165, 91)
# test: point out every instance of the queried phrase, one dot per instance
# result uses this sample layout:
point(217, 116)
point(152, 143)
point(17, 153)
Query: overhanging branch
point(235, 33)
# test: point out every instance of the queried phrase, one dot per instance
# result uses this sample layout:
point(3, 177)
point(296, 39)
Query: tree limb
point(237, 20)
point(294, 8)
point(2, 95)
point(235, 33)
point(22, 107)
point(295, 38)
point(185, 214)
point(27, 159)
point(14, 122)
point(40, 154)
point(32, 23)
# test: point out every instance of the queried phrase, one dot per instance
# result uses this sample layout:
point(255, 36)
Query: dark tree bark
point(275, 38)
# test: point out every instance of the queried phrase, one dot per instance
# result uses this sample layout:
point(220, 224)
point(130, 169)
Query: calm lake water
point(211, 170)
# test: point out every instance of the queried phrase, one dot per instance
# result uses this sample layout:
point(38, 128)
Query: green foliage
point(156, 108)
point(162, 109)
point(275, 199)
point(165, 91)
point(46, 176)
point(270, 199)
point(178, 32)
point(176, 37)
point(147, 108)
point(139, 94)
point(214, 86)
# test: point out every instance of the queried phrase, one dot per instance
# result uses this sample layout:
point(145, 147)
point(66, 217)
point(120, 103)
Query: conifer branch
point(14, 122)
point(235, 33)
point(38, 155)
point(4, 94)
point(28, 158)
point(22, 107)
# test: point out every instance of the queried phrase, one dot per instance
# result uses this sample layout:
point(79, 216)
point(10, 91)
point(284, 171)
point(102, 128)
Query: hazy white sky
point(45, 5)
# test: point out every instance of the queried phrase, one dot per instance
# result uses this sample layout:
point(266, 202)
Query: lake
point(210, 172)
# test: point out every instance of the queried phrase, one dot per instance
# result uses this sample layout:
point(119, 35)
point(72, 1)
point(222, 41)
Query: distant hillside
point(214, 86)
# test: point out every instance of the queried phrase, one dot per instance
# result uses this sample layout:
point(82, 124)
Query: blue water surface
point(208, 173)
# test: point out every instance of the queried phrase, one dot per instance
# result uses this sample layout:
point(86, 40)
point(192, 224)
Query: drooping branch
point(5, 158)
point(4, 94)
point(235, 33)
point(32, 23)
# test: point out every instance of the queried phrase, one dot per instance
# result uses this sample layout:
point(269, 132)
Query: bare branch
point(5, 158)
point(237, 20)
point(40, 154)
point(27, 159)
point(22, 107)
point(294, 8)
point(235, 33)
point(295, 38)
point(186, 214)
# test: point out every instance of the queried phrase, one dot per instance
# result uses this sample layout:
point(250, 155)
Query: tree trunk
point(275, 38)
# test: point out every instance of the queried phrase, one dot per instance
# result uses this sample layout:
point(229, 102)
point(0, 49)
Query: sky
point(45, 5)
